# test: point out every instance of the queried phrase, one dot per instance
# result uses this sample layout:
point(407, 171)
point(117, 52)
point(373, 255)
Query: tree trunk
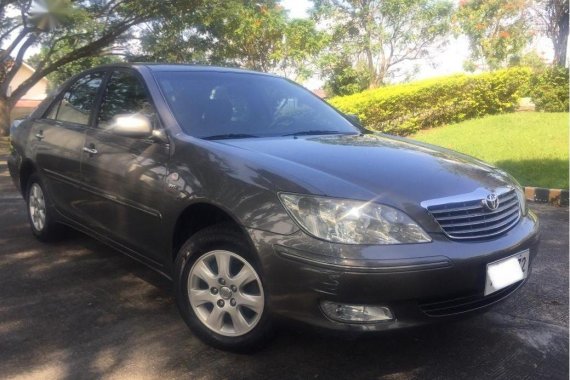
point(5, 109)
point(367, 23)
point(371, 70)
point(561, 41)
point(381, 75)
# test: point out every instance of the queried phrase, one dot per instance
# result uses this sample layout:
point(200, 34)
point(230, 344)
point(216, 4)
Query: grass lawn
point(531, 146)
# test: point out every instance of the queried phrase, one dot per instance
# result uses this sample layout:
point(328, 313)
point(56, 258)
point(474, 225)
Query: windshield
point(216, 105)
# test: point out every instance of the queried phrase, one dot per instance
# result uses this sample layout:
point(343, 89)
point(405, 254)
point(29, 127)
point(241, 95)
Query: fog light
point(356, 313)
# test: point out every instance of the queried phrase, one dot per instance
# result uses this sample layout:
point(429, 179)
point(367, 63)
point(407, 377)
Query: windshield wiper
point(229, 136)
point(316, 132)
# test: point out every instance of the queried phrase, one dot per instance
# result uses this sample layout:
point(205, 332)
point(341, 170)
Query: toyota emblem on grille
point(491, 202)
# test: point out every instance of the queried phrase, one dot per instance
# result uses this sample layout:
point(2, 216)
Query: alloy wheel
point(225, 293)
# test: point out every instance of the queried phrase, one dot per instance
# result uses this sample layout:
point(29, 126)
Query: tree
point(300, 49)
point(86, 29)
point(385, 35)
point(498, 31)
point(531, 59)
point(252, 34)
point(553, 21)
point(343, 78)
point(59, 76)
point(247, 35)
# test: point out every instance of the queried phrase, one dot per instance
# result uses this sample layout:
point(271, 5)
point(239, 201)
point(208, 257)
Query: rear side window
point(124, 94)
point(77, 102)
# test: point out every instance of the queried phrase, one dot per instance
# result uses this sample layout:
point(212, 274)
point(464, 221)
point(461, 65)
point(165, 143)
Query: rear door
point(59, 137)
point(124, 175)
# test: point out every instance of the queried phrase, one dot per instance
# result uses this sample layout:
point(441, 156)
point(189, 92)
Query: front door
point(124, 176)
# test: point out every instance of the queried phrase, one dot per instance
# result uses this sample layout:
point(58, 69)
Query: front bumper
point(420, 283)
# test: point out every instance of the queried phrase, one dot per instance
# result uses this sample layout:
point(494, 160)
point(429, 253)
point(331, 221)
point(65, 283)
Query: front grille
point(470, 219)
point(459, 305)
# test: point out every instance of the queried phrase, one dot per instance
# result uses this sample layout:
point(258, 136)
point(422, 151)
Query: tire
point(231, 314)
point(41, 212)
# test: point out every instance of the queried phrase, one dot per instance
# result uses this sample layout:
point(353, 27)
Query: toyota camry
point(261, 202)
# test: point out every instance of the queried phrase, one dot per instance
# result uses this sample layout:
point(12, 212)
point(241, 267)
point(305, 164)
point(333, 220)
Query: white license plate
point(507, 271)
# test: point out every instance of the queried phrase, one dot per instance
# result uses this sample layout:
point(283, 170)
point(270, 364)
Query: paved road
point(78, 309)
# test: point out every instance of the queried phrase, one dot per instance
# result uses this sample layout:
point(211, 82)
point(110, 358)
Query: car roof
point(178, 67)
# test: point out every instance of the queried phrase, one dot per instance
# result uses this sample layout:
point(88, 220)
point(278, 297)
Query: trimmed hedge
point(405, 109)
point(549, 90)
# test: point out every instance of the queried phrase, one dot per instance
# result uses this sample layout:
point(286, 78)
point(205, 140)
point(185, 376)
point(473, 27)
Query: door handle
point(91, 151)
point(40, 135)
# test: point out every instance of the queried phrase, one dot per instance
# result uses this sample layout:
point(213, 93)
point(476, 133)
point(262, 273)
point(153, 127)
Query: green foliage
point(248, 35)
point(384, 36)
point(406, 108)
point(74, 35)
point(300, 47)
point(343, 79)
point(549, 90)
point(535, 63)
point(256, 35)
point(532, 60)
point(498, 30)
point(57, 77)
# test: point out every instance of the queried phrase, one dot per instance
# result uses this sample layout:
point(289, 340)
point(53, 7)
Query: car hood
point(375, 165)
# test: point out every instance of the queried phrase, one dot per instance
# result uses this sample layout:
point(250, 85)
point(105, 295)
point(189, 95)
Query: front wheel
point(220, 292)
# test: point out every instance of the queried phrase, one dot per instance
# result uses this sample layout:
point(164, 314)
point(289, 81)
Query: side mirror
point(131, 125)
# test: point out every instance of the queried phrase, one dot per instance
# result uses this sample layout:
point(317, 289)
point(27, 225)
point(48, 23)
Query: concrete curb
point(557, 197)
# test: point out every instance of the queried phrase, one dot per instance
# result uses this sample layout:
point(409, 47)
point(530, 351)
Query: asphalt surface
point(77, 309)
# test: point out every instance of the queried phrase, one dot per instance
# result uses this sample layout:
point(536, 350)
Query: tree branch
point(17, 64)
point(9, 31)
point(79, 53)
point(6, 53)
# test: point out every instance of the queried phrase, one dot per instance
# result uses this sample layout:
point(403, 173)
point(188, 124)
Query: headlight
point(352, 222)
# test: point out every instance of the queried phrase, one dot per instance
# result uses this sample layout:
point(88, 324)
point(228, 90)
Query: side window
point(125, 94)
point(77, 102)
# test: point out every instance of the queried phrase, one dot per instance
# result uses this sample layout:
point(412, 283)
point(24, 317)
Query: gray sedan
point(261, 202)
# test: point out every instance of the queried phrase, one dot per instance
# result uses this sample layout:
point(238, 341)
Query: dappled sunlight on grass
point(532, 146)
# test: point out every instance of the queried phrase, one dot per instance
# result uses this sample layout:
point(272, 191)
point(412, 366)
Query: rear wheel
point(220, 292)
point(40, 212)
